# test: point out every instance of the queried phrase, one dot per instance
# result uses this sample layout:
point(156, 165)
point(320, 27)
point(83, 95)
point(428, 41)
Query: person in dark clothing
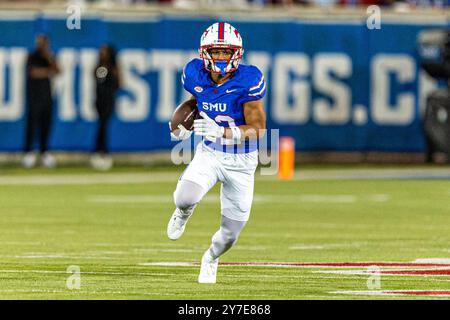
point(440, 70)
point(41, 67)
point(107, 83)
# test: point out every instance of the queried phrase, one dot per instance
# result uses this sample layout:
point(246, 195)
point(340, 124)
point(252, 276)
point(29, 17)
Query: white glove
point(182, 133)
point(208, 128)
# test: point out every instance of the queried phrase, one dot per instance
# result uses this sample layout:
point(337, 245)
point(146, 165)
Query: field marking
point(419, 267)
point(88, 272)
point(409, 272)
point(23, 243)
point(142, 199)
point(101, 254)
point(257, 198)
point(368, 174)
point(434, 260)
point(435, 293)
point(309, 265)
point(313, 198)
point(177, 264)
point(250, 248)
point(379, 197)
point(32, 291)
point(166, 250)
point(169, 264)
point(328, 246)
point(172, 177)
point(40, 256)
point(354, 292)
point(438, 293)
point(417, 272)
point(86, 292)
point(88, 179)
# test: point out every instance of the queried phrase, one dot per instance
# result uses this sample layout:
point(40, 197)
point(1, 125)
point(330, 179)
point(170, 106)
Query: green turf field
point(112, 226)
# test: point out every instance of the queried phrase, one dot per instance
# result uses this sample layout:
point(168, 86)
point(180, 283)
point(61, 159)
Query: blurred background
point(349, 82)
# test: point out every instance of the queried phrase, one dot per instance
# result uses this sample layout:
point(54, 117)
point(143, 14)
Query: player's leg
point(226, 236)
point(222, 241)
point(236, 197)
point(186, 197)
point(197, 179)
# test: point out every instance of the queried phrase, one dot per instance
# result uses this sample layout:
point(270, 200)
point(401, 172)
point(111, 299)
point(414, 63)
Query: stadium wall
point(334, 84)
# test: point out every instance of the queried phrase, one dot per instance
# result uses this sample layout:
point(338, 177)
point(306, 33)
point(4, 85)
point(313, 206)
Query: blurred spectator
point(365, 3)
point(434, 58)
point(107, 77)
point(41, 67)
point(218, 4)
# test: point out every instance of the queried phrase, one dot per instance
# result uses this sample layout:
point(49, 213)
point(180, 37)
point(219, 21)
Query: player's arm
point(255, 119)
point(181, 132)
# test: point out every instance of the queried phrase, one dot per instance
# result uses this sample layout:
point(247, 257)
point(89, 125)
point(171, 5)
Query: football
point(184, 114)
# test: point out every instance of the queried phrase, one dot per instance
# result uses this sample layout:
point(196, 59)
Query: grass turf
point(109, 230)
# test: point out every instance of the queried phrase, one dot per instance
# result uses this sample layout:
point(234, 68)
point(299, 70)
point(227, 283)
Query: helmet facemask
point(222, 66)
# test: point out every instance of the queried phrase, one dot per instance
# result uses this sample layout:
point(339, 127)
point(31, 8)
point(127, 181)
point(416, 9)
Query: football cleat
point(48, 160)
point(208, 270)
point(29, 160)
point(177, 223)
point(101, 162)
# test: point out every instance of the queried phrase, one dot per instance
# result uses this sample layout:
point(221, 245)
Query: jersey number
point(222, 118)
point(231, 123)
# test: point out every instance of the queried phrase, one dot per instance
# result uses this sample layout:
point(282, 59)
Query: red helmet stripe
point(221, 31)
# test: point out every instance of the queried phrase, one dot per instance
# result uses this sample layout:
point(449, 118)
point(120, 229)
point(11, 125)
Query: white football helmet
point(221, 35)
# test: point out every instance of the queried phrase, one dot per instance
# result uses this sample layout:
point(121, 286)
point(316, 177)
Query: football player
point(228, 96)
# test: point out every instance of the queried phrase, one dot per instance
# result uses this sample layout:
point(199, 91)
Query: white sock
point(226, 236)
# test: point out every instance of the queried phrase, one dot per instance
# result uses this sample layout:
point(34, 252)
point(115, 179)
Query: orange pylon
point(286, 160)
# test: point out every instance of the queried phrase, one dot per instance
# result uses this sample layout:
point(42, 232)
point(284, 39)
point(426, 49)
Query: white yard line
point(327, 246)
point(88, 179)
point(382, 274)
point(367, 174)
point(141, 199)
point(257, 198)
point(167, 250)
point(32, 291)
point(150, 274)
point(170, 176)
point(366, 293)
point(168, 264)
point(40, 256)
point(94, 292)
point(101, 254)
point(392, 293)
point(433, 260)
point(312, 198)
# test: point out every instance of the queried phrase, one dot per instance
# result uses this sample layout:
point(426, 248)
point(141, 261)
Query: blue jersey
point(224, 102)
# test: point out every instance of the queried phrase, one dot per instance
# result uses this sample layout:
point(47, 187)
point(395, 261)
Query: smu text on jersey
point(208, 106)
